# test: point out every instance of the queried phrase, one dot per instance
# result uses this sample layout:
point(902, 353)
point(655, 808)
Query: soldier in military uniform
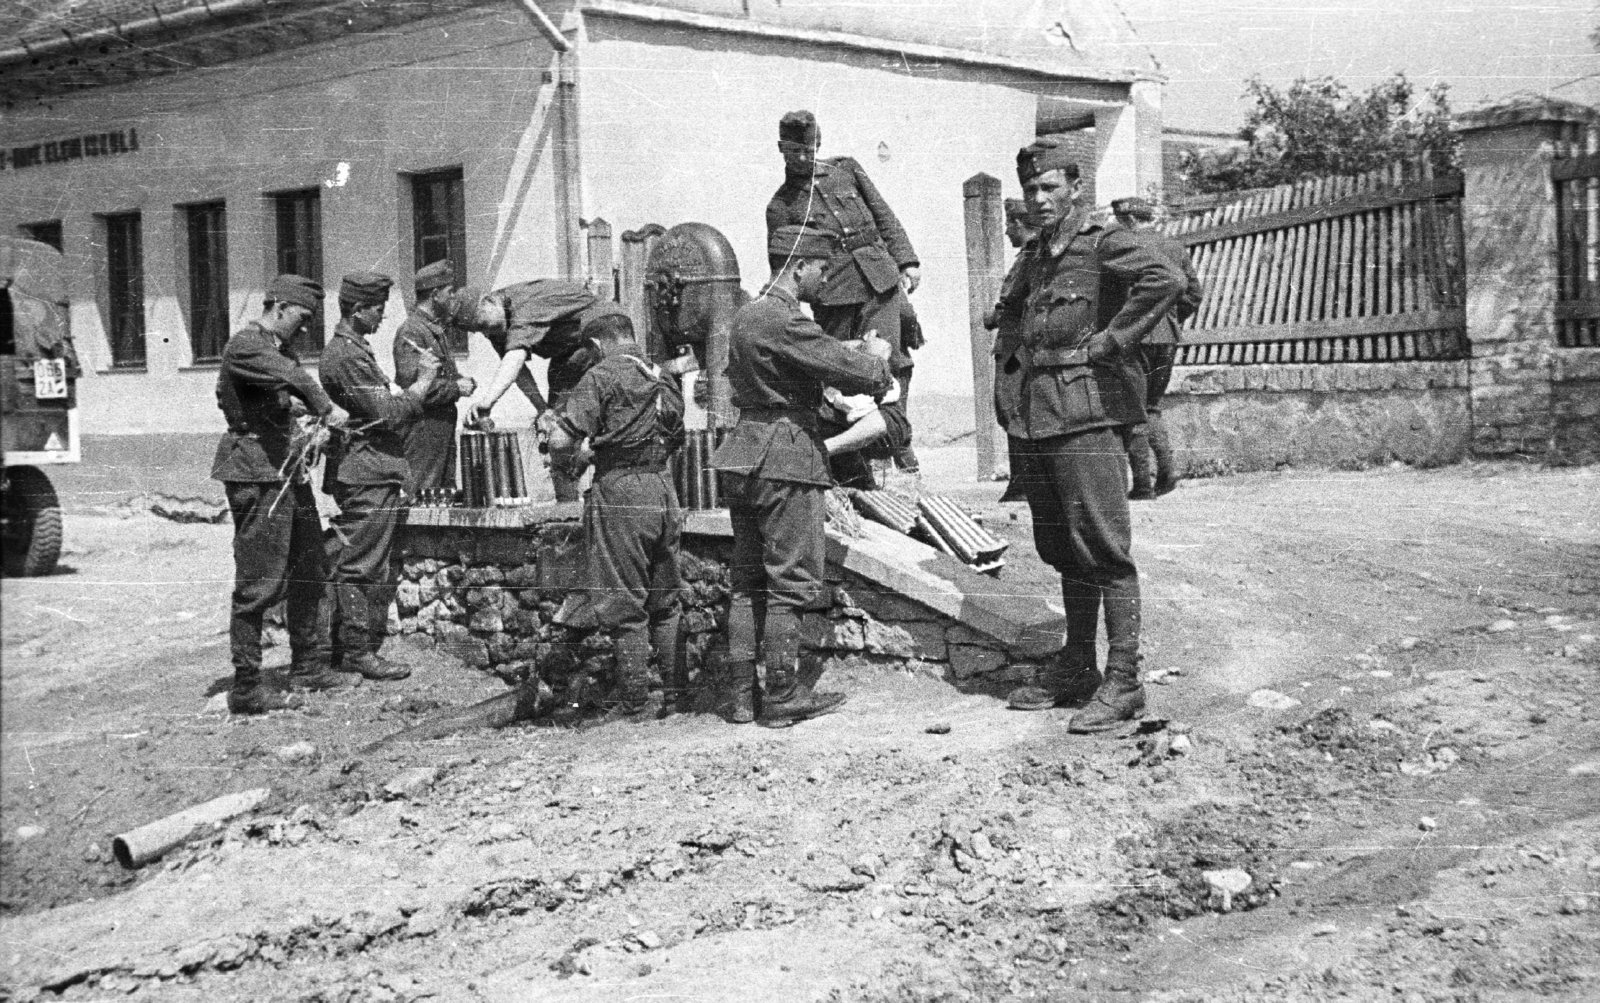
point(872, 265)
point(545, 317)
point(1138, 216)
point(627, 415)
point(431, 439)
point(1018, 232)
point(366, 475)
point(277, 536)
point(1067, 385)
point(776, 475)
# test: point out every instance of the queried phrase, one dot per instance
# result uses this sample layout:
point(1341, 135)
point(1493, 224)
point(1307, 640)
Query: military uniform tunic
point(277, 557)
point(632, 416)
point(862, 289)
point(366, 474)
point(779, 361)
point(1067, 380)
point(431, 439)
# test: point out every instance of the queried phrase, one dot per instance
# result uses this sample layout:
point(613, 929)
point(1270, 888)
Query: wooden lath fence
point(1575, 174)
point(1358, 268)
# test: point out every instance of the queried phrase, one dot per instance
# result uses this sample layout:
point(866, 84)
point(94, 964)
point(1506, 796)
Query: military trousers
point(363, 574)
point(277, 557)
point(882, 313)
point(431, 453)
point(779, 558)
point(1150, 440)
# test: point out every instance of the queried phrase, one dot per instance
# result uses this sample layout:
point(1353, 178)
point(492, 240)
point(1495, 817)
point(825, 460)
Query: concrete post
point(985, 220)
point(1128, 145)
point(602, 275)
point(1509, 226)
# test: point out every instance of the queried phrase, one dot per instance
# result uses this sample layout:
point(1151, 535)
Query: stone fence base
point(1575, 406)
point(1227, 419)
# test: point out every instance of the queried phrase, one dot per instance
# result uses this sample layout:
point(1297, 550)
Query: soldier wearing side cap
point(872, 266)
point(431, 439)
point(1067, 387)
point(277, 535)
point(366, 474)
point(626, 416)
point(1156, 353)
point(776, 476)
point(545, 317)
point(1019, 230)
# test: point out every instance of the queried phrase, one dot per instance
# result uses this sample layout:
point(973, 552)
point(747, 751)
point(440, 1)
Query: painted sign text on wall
point(60, 151)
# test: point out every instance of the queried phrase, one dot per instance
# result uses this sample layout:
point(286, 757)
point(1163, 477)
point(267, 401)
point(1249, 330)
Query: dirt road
point(1380, 690)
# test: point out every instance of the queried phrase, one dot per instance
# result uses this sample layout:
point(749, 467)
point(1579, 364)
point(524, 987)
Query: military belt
point(1044, 358)
point(804, 416)
point(856, 241)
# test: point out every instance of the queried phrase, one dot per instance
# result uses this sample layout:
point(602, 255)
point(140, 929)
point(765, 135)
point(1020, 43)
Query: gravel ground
point(1371, 771)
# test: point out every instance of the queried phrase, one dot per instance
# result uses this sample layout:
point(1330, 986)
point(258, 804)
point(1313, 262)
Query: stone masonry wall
point(1226, 419)
point(1575, 405)
point(490, 598)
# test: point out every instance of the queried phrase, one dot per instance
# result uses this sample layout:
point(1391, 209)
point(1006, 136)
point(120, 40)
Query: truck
point(39, 374)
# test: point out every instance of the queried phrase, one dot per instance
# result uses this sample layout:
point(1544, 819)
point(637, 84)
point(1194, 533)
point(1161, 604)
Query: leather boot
point(1167, 476)
point(1121, 697)
point(1140, 461)
point(784, 703)
point(736, 697)
point(666, 640)
point(629, 699)
point(257, 698)
point(371, 666)
point(319, 675)
point(1073, 676)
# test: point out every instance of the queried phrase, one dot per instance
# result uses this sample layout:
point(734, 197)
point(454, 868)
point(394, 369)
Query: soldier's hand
point(428, 366)
point(478, 414)
point(1102, 348)
point(875, 346)
point(910, 278)
point(466, 386)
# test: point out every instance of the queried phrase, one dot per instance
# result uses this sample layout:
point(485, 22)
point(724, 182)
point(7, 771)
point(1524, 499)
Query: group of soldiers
point(1085, 319)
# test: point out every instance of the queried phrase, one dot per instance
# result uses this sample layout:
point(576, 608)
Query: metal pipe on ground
point(140, 846)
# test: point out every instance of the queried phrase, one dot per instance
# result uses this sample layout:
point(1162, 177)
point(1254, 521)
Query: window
point(125, 288)
point(439, 225)
point(45, 233)
point(207, 227)
point(299, 216)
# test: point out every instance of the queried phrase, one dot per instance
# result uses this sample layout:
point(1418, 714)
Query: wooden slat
point(1577, 309)
point(1422, 320)
point(1353, 201)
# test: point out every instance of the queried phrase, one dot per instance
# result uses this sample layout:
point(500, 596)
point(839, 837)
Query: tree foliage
point(1318, 126)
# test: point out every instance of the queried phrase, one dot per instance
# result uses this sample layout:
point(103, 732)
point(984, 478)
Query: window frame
point(208, 311)
point(312, 338)
point(432, 222)
point(125, 289)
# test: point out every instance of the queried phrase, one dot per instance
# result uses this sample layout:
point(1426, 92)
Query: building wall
point(349, 118)
point(678, 126)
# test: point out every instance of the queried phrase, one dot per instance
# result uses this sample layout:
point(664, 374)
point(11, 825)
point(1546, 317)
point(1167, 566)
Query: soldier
point(1156, 354)
point(1066, 386)
point(366, 475)
point(1018, 232)
point(547, 318)
point(629, 415)
point(776, 476)
point(431, 439)
point(277, 536)
point(871, 266)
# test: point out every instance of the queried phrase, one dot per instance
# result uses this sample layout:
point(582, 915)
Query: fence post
point(636, 248)
point(1521, 382)
point(601, 278)
point(985, 270)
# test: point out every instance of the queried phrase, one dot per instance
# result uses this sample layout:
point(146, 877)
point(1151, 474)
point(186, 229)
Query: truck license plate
point(49, 379)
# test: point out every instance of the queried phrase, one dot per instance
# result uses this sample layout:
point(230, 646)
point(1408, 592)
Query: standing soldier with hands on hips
point(366, 475)
point(547, 318)
point(1067, 386)
point(776, 476)
point(277, 535)
point(626, 417)
point(431, 439)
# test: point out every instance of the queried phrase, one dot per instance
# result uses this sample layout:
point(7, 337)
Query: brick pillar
point(1509, 227)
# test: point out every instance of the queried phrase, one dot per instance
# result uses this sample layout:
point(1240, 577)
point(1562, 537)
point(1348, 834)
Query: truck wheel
point(31, 523)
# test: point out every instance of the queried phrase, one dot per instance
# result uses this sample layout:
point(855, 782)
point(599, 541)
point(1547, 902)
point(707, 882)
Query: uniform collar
point(609, 350)
point(344, 329)
point(781, 295)
point(272, 339)
point(1069, 228)
point(819, 169)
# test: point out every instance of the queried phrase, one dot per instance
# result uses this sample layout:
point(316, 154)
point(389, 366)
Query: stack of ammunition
point(940, 522)
point(492, 473)
point(692, 475)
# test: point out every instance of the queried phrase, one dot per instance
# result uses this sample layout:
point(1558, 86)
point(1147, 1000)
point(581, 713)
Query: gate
point(1575, 176)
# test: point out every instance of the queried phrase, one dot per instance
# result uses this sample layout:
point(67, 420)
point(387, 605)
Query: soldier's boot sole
point(375, 668)
point(1070, 688)
point(324, 679)
point(801, 707)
